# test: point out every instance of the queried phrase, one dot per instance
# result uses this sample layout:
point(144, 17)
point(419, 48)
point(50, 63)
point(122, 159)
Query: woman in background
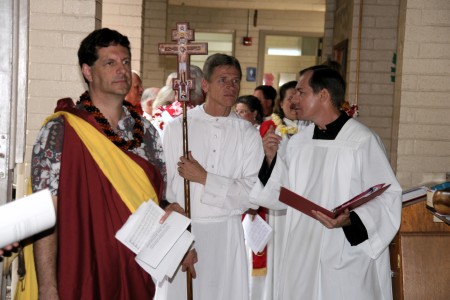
point(284, 117)
point(249, 108)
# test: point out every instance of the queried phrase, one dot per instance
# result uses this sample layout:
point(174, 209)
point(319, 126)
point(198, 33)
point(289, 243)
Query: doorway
point(283, 54)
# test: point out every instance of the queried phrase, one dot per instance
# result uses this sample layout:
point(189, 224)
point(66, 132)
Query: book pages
point(157, 245)
point(257, 232)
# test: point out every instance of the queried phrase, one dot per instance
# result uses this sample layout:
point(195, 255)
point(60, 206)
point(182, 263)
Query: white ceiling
point(308, 5)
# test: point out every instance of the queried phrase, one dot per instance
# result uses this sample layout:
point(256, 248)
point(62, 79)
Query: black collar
point(332, 129)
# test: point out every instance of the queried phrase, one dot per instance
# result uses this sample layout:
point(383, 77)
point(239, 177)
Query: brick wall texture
point(410, 114)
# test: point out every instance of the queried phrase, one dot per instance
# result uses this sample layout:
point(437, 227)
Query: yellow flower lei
point(283, 129)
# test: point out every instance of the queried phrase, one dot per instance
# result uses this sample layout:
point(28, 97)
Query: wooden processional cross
point(182, 86)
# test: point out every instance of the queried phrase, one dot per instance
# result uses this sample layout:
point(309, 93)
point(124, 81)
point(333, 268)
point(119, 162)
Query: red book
point(306, 206)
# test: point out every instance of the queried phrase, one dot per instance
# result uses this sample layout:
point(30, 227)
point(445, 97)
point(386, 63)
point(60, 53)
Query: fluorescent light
point(284, 52)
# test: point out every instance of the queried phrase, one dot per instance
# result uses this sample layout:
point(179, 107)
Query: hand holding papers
point(25, 217)
point(256, 232)
point(305, 206)
point(159, 247)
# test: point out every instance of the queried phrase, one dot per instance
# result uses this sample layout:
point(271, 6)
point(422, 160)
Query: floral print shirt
point(163, 114)
point(46, 156)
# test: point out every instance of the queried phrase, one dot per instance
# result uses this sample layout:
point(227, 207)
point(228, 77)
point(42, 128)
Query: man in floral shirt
point(100, 159)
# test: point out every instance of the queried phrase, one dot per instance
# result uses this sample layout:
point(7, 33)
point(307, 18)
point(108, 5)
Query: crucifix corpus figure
point(182, 85)
point(183, 49)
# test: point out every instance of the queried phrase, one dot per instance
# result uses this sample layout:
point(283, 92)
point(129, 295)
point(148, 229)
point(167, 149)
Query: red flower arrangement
point(351, 109)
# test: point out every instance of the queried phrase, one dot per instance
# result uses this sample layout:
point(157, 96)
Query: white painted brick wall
point(422, 152)
point(154, 32)
point(424, 135)
point(375, 90)
point(126, 17)
point(327, 47)
point(55, 31)
point(310, 5)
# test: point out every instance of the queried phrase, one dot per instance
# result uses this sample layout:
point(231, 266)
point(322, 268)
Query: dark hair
point(254, 105)
point(287, 86)
point(100, 38)
point(323, 77)
point(217, 60)
point(268, 91)
point(332, 64)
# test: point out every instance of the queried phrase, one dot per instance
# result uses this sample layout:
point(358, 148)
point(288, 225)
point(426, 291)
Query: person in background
point(249, 108)
point(163, 114)
point(170, 78)
point(197, 95)
point(222, 166)
point(166, 96)
point(284, 117)
point(266, 95)
point(135, 94)
point(329, 162)
point(100, 160)
point(148, 96)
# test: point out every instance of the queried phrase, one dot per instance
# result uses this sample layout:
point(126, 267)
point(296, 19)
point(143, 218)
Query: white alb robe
point(230, 149)
point(262, 287)
point(319, 263)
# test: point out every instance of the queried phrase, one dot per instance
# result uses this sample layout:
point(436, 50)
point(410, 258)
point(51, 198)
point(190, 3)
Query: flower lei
point(174, 109)
point(351, 109)
point(281, 128)
point(138, 128)
point(157, 119)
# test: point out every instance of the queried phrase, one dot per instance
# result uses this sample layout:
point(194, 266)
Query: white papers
point(170, 262)
point(159, 247)
point(256, 232)
point(25, 217)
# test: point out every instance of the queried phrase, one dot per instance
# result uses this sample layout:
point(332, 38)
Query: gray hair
point(196, 73)
point(149, 94)
point(166, 95)
point(171, 76)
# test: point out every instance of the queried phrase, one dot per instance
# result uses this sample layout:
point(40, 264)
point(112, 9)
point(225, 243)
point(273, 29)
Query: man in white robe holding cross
point(222, 166)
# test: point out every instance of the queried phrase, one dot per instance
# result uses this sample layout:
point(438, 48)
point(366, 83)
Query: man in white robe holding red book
point(330, 161)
